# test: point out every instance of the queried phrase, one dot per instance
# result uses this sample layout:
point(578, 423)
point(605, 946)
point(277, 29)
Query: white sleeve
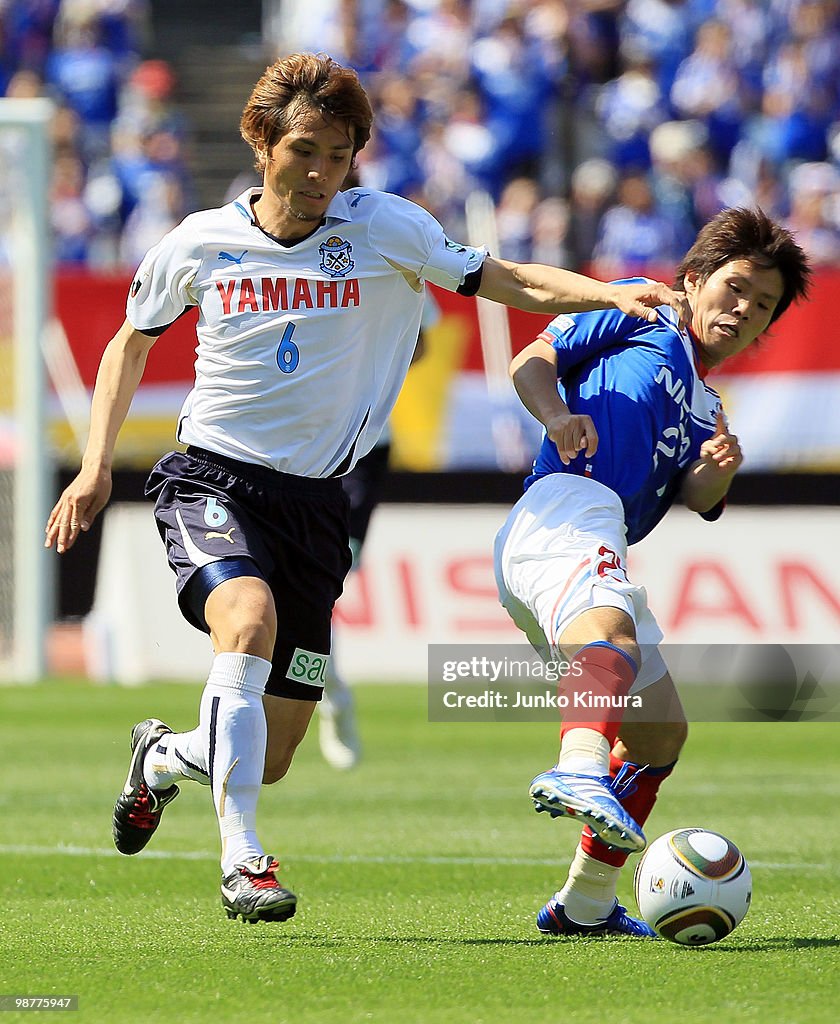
point(410, 238)
point(161, 289)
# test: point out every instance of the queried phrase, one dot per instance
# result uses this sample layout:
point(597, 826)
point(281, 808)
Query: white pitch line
point(305, 858)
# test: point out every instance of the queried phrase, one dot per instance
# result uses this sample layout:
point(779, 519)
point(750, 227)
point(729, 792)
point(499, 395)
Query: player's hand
point(722, 452)
point(642, 299)
point(78, 506)
point(572, 434)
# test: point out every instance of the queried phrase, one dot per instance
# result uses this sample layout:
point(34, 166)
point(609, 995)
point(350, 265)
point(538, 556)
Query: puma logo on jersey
point(361, 195)
point(233, 259)
point(221, 536)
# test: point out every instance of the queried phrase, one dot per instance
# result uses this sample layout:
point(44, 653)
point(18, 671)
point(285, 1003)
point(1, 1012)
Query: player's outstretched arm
point(709, 478)
point(119, 375)
point(534, 375)
point(542, 289)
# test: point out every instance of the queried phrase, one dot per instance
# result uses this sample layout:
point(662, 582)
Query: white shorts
point(563, 550)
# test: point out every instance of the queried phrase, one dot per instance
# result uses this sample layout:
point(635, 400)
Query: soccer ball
point(693, 886)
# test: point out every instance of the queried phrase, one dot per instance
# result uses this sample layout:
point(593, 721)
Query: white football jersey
point(302, 349)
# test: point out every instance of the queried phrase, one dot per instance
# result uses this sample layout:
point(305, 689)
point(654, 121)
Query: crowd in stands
point(607, 131)
point(120, 176)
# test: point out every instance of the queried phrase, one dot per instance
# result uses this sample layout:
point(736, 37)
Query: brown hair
point(742, 234)
point(298, 81)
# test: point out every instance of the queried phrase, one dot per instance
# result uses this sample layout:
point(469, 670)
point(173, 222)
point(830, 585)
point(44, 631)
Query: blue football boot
point(592, 801)
point(552, 920)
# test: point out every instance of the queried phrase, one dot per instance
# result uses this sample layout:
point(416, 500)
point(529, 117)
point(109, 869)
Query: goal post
point(25, 579)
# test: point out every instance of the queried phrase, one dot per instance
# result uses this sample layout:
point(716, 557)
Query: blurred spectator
point(550, 233)
point(469, 139)
point(389, 46)
point(707, 87)
point(629, 108)
point(398, 132)
point(158, 154)
point(593, 189)
point(658, 34)
point(796, 108)
point(515, 84)
point(515, 219)
point(85, 75)
point(635, 238)
point(446, 179)
point(753, 181)
point(814, 188)
point(72, 225)
point(25, 85)
point(441, 34)
point(685, 179)
point(146, 99)
point(160, 208)
point(751, 28)
point(124, 28)
point(64, 132)
point(552, 25)
point(26, 28)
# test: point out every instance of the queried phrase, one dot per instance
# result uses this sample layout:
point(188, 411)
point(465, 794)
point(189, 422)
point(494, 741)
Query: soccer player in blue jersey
point(630, 426)
point(310, 302)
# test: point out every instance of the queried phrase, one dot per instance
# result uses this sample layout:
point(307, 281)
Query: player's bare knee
point(601, 624)
point(250, 637)
point(242, 617)
point(628, 645)
point(248, 629)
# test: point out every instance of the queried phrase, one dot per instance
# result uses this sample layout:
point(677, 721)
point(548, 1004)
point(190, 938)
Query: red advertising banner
point(443, 415)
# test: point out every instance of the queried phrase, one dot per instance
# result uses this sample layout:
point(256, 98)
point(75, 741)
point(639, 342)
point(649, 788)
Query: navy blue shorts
point(220, 518)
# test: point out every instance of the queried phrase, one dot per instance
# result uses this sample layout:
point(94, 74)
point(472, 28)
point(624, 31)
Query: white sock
point(177, 756)
point(584, 752)
point(588, 896)
point(232, 723)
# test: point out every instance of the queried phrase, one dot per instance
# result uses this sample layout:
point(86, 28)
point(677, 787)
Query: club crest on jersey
point(335, 256)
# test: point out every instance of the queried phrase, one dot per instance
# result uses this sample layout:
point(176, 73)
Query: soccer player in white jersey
point(310, 302)
point(629, 426)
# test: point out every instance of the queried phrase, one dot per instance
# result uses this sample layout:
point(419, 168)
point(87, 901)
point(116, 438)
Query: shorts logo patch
point(221, 536)
point(308, 667)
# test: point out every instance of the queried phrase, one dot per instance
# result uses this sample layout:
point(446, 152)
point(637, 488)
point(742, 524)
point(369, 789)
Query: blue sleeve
point(579, 337)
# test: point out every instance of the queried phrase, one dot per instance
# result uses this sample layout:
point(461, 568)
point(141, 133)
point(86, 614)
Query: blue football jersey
point(640, 384)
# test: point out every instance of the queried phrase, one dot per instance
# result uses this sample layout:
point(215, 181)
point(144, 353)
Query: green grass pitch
point(419, 875)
